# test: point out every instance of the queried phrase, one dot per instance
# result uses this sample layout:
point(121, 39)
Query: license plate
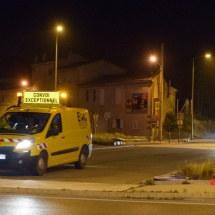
point(2, 157)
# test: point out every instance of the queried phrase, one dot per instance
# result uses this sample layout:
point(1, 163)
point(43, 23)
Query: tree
point(170, 122)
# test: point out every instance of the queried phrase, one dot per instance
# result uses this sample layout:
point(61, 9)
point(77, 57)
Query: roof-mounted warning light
point(19, 95)
point(63, 98)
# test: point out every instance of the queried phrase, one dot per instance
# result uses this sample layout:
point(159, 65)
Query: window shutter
point(135, 124)
point(114, 123)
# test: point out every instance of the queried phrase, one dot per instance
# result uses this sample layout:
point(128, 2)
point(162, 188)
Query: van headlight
point(25, 144)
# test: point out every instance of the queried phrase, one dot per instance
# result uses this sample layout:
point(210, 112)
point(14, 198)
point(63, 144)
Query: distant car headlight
point(25, 144)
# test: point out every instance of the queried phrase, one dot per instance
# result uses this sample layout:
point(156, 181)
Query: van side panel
point(84, 126)
point(72, 133)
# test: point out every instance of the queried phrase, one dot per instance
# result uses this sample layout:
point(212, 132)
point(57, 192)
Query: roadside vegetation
point(203, 127)
point(110, 138)
point(171, 130)
point(197, 171)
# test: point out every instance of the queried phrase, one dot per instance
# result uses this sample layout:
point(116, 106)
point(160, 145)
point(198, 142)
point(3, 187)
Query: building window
point(87, 95)
point(94, 95)
point(117, 123)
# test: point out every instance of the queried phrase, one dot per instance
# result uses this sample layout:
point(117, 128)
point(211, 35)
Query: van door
point(73, 132)
point(57, 147)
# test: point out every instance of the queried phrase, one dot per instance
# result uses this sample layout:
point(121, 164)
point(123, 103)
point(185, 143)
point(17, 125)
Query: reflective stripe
point(42, 146)
point(9, 140)
point(89, 137)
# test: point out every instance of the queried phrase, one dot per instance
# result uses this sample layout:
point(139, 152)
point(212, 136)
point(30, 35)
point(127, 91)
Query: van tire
point(81, 163)
point(41, 165)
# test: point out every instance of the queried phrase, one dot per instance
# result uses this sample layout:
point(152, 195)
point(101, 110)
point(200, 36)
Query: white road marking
point(112, 147)
point(115, 200)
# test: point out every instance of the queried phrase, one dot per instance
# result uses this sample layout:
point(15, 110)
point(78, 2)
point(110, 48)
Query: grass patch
point(185, 182)
point(108, 138)
point(195, 170)
point(149, 181)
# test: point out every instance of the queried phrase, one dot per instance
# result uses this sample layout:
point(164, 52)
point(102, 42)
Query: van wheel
point(81, 163)
point(41, 165)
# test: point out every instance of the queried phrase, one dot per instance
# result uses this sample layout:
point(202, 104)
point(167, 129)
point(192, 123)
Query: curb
point(132, 194)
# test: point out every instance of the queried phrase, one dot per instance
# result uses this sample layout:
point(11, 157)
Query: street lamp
point(59, 28)
point(154, 59)
point(192, 100)
point(24, 83)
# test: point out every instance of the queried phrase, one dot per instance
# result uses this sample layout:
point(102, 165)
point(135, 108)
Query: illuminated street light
point(63, 95)
point(192, 100)
point(59, 28)
point(24, 83)
point(154, 59)
point(63, 98)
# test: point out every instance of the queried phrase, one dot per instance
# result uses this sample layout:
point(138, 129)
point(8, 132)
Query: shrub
point(170, 122)
point(149, 181)
point(194, 170)
point(185, 182)
point(108, 138)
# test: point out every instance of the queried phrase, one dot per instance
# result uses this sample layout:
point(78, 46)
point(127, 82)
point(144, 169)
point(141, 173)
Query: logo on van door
point(82, 119)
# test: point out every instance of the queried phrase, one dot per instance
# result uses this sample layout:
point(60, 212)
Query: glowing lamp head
point(59, 28)
point(153, 58)
point(63, 95)
point(208, 55)
point(19, 94)
point(24, 83)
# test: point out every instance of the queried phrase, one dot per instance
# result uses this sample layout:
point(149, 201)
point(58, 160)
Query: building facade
point(126, 104)
point(118, 101)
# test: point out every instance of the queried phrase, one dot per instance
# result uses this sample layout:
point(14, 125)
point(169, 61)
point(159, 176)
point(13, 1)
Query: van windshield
point(23, 123)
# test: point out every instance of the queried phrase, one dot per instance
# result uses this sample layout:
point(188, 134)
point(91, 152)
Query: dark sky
point(123, 32)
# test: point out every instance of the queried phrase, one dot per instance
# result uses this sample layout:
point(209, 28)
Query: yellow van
point(41, 133)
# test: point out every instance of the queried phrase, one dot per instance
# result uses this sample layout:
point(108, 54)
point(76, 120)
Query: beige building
point(72, 71)
point(117, 101)
point(126, 103)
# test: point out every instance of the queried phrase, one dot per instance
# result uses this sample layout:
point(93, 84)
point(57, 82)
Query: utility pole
point(161, 93)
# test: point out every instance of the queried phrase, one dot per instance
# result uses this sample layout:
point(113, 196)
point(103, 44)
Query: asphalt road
point(130, 164)
point(116, 165)
point(40, 205)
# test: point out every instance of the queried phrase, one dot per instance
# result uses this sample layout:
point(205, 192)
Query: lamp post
point(58, 29)
point(154, 59)
point(192, 100)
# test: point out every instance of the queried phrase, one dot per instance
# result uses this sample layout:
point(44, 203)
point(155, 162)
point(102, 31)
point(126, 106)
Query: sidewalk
point(162, 190)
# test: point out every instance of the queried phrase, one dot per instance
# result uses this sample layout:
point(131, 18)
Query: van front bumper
point(15, 160)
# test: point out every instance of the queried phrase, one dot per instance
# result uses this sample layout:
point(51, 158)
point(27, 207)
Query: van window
point(55, 126)
point(23, 122)
point(57, 122)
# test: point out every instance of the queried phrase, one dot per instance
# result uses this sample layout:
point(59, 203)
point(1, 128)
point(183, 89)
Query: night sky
point(122, 32)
